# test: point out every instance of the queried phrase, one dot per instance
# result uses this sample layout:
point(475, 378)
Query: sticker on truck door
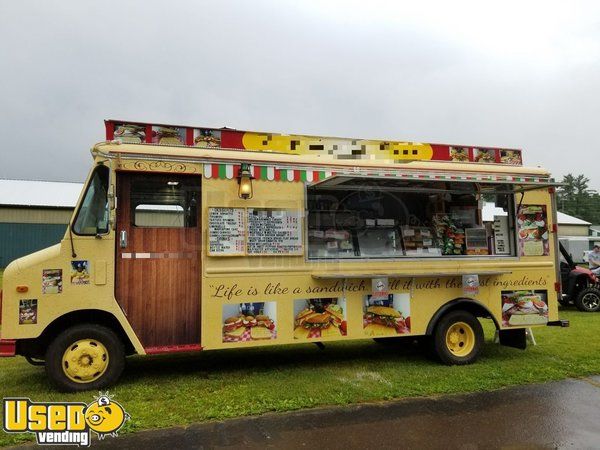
point(28, 309)
point(52, 281)
point(80, 272)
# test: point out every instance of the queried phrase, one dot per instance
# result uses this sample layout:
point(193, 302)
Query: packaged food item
point(386, 222)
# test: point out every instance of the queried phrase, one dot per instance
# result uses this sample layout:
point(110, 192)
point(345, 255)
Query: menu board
point(226, 232)
point(274, 231)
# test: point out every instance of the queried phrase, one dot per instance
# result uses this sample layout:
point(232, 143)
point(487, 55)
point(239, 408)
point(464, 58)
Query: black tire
point(441, 349)
point(588, 300)
point(113, 353)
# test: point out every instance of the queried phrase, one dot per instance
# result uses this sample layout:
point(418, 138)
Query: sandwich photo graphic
point(207, 138)
point(483, 155)
point(524, 308)
point(246, 322)
point(319, 318)
point(532, 222)
point(387, 316)
point(130, 133)
point(169, 135)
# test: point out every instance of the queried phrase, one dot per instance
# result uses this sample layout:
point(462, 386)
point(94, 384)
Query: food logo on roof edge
point(322, 146)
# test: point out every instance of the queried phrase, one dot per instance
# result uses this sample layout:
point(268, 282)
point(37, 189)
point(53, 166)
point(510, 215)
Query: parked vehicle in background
point(579, 285)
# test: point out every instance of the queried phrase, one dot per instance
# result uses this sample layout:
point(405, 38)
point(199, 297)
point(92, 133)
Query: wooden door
point(158, 257)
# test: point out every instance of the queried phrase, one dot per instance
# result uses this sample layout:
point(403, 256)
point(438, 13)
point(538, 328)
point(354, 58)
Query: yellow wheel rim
point(460, 339)
point(85, 361)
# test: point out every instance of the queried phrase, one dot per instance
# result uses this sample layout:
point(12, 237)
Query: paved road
point(563, 414)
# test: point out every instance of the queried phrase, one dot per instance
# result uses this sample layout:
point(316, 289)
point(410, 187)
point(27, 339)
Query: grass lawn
point(163, 391)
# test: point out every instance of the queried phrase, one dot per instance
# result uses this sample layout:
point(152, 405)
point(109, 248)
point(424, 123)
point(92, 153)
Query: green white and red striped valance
point(269, 173)
point(272, 173)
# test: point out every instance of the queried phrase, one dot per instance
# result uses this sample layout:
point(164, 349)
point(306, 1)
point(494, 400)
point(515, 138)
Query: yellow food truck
point(187, 239)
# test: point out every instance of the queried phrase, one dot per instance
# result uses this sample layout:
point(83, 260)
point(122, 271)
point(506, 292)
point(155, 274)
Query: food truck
point(187, 239)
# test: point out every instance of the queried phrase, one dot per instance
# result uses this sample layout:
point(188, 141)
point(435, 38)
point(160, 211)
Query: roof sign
point(328, 147)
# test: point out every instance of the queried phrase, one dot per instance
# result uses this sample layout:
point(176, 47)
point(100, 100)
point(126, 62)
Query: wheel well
point(36, 348)
point(475, 307)
point(575, 282)
point(582, 281)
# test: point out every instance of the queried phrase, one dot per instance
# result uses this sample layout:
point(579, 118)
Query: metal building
point(33, 215)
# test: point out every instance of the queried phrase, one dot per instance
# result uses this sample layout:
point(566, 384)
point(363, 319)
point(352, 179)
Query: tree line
point(577, 199)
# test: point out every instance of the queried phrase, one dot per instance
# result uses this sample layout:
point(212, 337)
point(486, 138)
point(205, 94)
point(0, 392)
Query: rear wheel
point(588, 300)
point(457, 338)
point(85, 357)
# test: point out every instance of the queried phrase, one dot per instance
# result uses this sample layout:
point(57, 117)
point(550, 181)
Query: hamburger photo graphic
point(245, 325)
point(385, 317)
point(319, 318)
point(524, 307)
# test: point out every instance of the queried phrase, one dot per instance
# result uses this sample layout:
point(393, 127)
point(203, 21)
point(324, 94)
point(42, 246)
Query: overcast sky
point(522, 74)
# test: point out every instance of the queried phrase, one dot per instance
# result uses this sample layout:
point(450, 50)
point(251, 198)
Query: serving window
point(361, 218)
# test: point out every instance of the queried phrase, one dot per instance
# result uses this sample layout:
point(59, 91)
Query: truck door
point(158, 256)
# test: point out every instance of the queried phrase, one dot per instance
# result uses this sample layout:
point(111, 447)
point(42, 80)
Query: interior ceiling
point(356, 183)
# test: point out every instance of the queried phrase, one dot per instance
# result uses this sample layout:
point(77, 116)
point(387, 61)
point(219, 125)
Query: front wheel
point(85, 357)
point(458, 338)
point(588, 300)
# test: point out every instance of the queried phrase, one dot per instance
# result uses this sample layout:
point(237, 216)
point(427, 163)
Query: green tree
point(577, 199)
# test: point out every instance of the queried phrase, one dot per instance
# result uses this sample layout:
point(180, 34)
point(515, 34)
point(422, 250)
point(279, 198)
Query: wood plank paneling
point(160, 295)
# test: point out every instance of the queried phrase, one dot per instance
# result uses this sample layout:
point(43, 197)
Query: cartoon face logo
point(472, 281)
point(105, 416)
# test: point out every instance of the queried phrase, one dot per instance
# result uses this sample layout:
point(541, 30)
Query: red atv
point(579, 285)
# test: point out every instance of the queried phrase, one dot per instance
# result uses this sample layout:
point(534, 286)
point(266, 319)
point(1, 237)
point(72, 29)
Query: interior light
point(172, 183)
point(245, 182)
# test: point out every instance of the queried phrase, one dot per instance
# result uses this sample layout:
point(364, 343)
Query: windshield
point(92, 217)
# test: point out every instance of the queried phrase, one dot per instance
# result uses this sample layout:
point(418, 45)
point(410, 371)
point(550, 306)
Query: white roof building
point(490, 210)
point(565, 219)
point(43, 194)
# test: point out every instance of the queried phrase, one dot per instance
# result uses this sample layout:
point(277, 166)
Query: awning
point(322, 177)
point(350, 275)
point(427, 184)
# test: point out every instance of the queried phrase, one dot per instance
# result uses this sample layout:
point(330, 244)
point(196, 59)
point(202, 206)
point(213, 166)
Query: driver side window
point(93, 214)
